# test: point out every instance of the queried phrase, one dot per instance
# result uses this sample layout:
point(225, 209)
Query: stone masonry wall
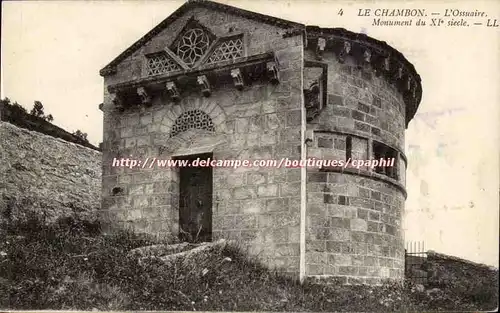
point(361, 102)
point(354, 216)
point(46, 176)
point(257, 206)
point(353, 228)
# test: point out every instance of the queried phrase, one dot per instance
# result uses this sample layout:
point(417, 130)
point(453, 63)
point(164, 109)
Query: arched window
point(192, 119)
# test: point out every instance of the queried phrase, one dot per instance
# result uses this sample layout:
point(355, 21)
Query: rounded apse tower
point(360, 94)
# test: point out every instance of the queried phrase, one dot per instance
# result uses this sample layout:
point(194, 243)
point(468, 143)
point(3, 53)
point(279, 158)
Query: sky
point(52, 52)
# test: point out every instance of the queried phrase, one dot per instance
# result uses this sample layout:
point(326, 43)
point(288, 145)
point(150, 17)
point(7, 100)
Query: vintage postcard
point(237, 155)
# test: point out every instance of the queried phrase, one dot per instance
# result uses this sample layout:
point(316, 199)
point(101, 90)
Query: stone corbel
point(344, 51)
point(408, 83)
point(386, 65)
point(311, 95)
point(398, 75)
point(320, 48)
point(145, 97)
point(273, 72)
point(367, 57)
point(237, 78)
point(173, 90)
point(117, 102)
point(364, 57)
point(312, 101)
point(204, 84)
point(378, 63)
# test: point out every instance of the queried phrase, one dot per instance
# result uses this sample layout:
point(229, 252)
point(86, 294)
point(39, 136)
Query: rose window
point(193, 45)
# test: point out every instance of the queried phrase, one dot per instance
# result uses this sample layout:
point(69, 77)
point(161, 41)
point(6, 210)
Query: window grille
point(160, 63)
point(227, 50)
point(193, 45)
point(192, 119)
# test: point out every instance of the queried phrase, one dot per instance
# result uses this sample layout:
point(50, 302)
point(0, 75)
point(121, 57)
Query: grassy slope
point(73, 266)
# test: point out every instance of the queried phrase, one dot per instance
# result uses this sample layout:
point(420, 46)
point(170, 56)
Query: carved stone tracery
point(229, 49)
point(160, 63)
point(193, 45)
point(192, 119)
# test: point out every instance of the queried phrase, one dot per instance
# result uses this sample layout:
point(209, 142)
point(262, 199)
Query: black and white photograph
point(249, 156)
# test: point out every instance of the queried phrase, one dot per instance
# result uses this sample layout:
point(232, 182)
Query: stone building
point(216, 81)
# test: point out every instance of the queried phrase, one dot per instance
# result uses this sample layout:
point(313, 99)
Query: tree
point(81, 135)
point(38, 111)
point(5, 101)
point(17, 111)
point(19, 107)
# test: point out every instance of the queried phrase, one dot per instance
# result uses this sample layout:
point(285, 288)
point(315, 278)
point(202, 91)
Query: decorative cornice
point(239, 71)
point(385, 60)
point(269, 59)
